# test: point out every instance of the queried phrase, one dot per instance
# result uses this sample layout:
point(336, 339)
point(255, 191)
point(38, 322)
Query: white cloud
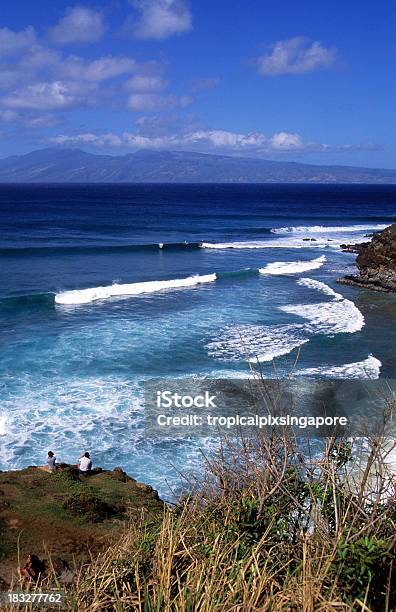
point(296, 56)
point(78, 25)
point(41, 96)
point(42, 78)
point(146, 83)
point(97, 70)
point(226, 139)
point(12, 42)
point(285, 141)
point(160, 19)
point(41, 121)
point(39, 58)
point(88, 138)
point(218, 140)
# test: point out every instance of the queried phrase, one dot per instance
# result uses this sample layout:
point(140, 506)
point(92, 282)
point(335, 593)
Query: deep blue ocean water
point(76, 344)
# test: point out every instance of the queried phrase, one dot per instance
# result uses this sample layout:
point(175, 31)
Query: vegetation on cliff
point(267, 530)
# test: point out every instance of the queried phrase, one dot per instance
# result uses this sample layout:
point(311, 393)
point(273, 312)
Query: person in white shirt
point(51, 461)
point(85, 464)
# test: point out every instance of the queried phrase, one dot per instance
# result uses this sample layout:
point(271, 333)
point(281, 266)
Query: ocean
point(105, 286)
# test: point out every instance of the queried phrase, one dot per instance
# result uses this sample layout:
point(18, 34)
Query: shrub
point(88, 506)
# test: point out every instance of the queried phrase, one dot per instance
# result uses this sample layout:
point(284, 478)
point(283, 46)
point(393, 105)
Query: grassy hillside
point(65, 515)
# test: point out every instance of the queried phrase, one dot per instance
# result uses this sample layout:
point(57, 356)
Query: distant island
point(59, 165)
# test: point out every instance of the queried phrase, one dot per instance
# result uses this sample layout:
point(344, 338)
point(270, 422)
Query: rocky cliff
point(376, 262)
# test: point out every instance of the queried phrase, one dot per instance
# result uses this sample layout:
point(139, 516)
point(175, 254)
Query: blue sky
point(310, 81)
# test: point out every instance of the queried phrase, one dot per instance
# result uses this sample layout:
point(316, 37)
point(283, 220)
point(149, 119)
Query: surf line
point(85, 296)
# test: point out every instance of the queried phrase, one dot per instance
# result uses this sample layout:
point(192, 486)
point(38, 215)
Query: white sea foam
point(85, 296)
point(3, 425)
point(234, 245)
point(335, 317)
point(328, 229)
point(303, 237)
point(261, 343)
point(256, 342)
point(69, 415)
point(281, 243)
point(319, 286)
point(369, 368)
point(292, 267)
point(330, 318)
point(289, 242)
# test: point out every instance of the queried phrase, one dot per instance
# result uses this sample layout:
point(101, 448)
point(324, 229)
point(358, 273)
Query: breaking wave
point(326, 229)
point(369, 368)
point(293, 267)
point(85, 296)
point(262, 343)
point(302, 237)
point(337, 316)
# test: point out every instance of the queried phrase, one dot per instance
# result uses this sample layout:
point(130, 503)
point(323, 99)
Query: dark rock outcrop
point(354, 248)
point(376, 262)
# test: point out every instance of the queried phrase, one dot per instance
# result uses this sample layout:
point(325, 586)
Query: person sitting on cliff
point(85, 464)
point(51, 461)
point(33, 569)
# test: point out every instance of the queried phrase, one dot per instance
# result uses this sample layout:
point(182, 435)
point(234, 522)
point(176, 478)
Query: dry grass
point(268, 529)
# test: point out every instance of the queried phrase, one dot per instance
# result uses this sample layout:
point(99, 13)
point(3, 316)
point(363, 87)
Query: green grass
point(63, 515)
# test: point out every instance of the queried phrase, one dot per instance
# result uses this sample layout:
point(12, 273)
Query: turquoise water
point(79, 333)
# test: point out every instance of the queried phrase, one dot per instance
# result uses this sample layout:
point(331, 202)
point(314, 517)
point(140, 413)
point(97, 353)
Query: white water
point(281, 243)
point(335, 317)
point(303, 237)
point(325, 229)
point(292, 267)
point(3, 425)
point(256, 342)
point(85, 296)
point(319, 286)
point(263, 343)
point(369, 368)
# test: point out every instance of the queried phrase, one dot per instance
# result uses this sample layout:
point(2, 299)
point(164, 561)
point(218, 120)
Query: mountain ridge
point(60, 165)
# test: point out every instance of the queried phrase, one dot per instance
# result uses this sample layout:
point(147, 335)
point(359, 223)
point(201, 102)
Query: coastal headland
point(376, 262)
point(64, 518)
